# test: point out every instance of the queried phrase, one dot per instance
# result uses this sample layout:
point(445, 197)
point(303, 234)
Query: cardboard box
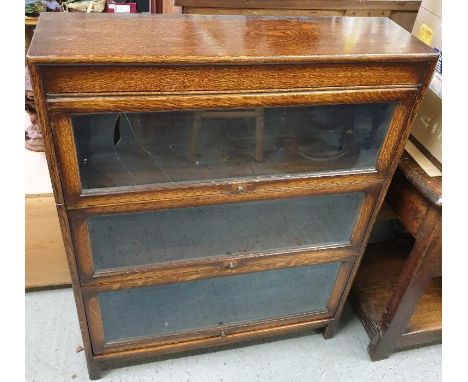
point(427, 128)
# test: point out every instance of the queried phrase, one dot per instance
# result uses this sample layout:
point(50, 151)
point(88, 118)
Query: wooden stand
point(399, 299)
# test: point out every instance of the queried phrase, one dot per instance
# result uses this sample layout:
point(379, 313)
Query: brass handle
point(240, 188)
point(231, 265)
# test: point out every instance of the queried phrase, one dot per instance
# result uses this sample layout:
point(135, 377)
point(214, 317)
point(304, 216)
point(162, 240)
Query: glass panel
point(125, 149)
point(166, 309)
point(144, 238)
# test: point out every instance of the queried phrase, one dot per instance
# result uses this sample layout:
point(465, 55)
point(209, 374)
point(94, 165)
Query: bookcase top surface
point(197, 39)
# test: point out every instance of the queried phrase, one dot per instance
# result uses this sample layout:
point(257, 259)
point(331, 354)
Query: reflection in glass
point(145, 238)
point(124, 149)
point(210, 303)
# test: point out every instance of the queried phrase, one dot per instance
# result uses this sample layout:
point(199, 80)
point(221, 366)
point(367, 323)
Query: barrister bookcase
point(218, 182)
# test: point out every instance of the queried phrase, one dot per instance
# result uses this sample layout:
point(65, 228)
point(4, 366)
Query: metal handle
point(240, 188)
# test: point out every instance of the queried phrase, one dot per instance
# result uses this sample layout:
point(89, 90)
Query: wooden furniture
point(402, 12)
point(168, 255)
point(397, 292)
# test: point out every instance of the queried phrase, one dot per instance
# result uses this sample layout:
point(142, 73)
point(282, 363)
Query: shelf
point(373, 287)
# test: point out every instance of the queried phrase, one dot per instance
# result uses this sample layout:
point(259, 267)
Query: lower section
point(207, 343)
point(215, 303)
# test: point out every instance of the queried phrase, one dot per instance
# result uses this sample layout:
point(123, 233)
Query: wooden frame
point(216, 266)
point(287, 70)
point(91, 301)
point(76, 197)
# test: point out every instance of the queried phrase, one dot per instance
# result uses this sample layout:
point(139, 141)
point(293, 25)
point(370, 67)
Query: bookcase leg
point(330, 330)
point(94, 369)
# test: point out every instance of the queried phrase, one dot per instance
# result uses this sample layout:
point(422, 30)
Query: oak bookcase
point(218, 183)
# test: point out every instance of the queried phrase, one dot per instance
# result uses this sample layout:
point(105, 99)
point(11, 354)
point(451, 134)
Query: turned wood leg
point(195, 137)
point(259, 127)
point(414, 280)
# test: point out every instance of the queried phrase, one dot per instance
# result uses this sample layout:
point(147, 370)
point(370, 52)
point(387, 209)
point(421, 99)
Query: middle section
point(182, 243)
point(146, 238)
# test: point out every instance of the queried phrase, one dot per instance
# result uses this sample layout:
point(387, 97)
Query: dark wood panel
point(375, 283)
point(410, 205)
point(219, 39)
point(430, 187)
point(106, 79)
point(411, 5)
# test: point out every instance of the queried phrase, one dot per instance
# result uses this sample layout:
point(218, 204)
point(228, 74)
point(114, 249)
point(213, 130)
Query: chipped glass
point(131, 149)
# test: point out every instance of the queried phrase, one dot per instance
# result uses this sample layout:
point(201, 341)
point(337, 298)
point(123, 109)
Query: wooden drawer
point(213, 308)
point(187, 243)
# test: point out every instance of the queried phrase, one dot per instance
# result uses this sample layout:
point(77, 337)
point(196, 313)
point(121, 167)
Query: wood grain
point(213, 62)
point(207, 268)
point(409, 205)
point(100, 102)
point(155, 198)
point(65, 79)
point(196, 39)
point(430, 187)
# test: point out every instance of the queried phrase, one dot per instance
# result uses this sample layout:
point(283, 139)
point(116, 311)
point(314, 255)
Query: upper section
point(195, 39)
